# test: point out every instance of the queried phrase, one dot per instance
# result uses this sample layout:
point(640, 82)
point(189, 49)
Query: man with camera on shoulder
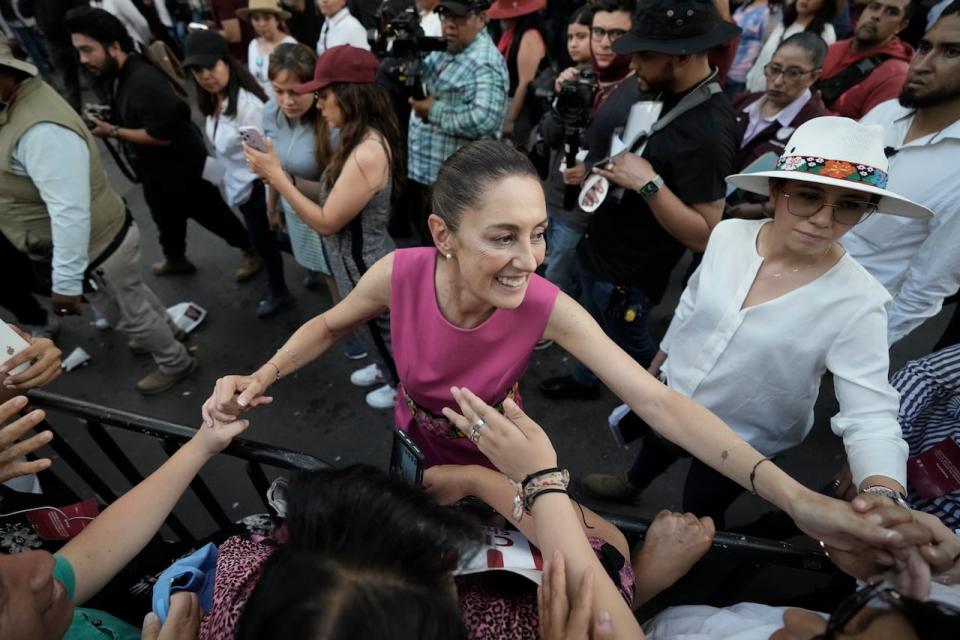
point(590, 104)
point(466, 99)
point(672, 192)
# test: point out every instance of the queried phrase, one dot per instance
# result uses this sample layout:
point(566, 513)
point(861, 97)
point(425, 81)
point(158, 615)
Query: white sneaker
point(368, 376)
point(382, 398)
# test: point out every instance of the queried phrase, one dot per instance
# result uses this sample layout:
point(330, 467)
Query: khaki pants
point(131, 307)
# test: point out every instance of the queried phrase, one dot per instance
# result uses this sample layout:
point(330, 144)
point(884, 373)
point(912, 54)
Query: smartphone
point(406, 459)
point(253, 137)
point(10, 345)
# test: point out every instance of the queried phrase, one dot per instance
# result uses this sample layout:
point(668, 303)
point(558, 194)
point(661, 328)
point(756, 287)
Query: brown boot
point(249, 267)
point(139, 350)
point(158, 381)
point(173, 267)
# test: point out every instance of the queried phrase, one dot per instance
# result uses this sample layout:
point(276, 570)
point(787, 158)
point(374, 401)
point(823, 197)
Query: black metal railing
point(97, 418)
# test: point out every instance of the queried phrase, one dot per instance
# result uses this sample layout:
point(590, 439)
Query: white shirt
point(918, 261)
point(785, 116)
point(744, 621)
point(224, 135)
point(129, 15)
point(66, 194)
point(342, 28)
point(756, 81)
point(259, 64)
point(759, 368)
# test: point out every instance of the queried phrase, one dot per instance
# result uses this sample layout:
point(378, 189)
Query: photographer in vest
point(72, 219)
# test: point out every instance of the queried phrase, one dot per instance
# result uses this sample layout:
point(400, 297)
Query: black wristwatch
point(650, 189)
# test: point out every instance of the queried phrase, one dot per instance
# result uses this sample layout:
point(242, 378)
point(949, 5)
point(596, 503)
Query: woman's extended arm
point(518, 447)
point(697, 430)
point(118, 534)
point(365, 172)
point(450, 483)
point(234, 394)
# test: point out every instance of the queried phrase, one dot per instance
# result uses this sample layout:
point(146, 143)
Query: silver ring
point(478, 424)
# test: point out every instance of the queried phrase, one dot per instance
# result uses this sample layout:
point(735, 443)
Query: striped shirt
point(469, 90)
point(930, 412)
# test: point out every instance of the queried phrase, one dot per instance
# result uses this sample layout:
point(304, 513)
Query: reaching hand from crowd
point(903, 562)
point(11, 450)
point(559, 618)
point(421, 107)
point(45, 367)
point(514, 443)
point(674, 542)
point(232, 396)
point(183, 621)
point(266, 165)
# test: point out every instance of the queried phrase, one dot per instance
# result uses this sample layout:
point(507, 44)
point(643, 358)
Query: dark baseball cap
point(203, 49)
point(342, 63)
point(462, 7)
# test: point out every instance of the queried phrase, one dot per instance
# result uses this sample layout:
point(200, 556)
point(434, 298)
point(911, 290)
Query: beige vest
point(23, 214)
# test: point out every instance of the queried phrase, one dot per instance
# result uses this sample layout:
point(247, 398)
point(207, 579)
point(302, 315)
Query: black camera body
point(401, 44)
point(574, 102)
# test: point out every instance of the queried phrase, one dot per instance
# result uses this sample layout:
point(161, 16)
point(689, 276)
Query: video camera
point(400, 42)
point(572, 108)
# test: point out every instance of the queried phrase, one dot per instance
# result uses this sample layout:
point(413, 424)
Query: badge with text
point(936, 471)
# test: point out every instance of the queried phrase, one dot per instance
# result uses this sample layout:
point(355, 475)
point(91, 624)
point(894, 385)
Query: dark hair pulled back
point(466, 176)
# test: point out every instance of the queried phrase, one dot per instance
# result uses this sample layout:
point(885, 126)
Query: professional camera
point(400, 43)
point(573, 108)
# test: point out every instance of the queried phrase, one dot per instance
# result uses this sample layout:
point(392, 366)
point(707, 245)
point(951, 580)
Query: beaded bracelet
point(551, 480)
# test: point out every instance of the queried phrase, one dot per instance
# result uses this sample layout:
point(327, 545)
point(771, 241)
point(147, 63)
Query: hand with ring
point(514, 443)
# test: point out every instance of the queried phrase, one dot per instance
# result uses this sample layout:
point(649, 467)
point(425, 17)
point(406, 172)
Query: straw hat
point(263, 6)
point(838, 152)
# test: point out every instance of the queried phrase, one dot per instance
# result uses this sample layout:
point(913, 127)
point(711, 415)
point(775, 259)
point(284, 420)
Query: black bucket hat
point(676, 28)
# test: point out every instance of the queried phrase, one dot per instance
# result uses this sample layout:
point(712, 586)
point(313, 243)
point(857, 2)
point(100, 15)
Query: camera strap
point(693, 99)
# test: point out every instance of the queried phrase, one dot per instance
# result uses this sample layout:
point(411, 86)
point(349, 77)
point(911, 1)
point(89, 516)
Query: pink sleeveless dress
point(432, 355)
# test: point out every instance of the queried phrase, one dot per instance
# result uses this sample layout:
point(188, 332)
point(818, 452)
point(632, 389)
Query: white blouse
point(759, 368)
point(259, 64)
point(224, 134)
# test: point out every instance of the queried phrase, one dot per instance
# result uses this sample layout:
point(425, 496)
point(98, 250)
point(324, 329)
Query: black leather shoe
point(273, 304)
point(566, 388)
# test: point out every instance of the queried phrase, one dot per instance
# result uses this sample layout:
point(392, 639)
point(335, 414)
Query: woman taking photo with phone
point(355, 191)
point(230, 98)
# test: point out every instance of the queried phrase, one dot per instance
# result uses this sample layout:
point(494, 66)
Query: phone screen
point(406, 459)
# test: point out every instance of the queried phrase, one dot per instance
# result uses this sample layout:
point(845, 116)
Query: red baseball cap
point(341, 64)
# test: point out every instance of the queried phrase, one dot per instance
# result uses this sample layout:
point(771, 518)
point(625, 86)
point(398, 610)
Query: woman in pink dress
point(468, 313)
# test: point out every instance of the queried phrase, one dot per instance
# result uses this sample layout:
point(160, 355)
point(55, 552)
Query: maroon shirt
point(227, 10)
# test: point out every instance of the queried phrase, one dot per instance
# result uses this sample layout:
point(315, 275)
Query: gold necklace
point(796, 269)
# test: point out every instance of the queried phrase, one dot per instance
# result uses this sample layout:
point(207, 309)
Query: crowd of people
point(545, 167)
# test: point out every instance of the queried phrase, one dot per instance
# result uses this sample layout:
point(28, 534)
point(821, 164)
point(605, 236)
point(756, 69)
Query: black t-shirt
point(144, 99)
point(625, 243)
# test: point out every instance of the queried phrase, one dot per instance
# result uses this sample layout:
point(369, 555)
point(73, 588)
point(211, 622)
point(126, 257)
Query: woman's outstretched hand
point(514, 443)
point(232, 396)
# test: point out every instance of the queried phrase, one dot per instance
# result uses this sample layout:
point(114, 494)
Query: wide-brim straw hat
point(263, 6)
point(837, 152)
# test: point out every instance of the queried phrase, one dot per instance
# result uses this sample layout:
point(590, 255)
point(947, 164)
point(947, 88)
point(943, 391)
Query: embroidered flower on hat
point(838, 169)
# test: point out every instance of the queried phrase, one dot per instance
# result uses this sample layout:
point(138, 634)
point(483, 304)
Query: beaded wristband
point(537, 474)
point(546, 481)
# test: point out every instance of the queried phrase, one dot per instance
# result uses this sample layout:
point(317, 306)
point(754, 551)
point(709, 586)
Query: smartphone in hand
point(253, 137)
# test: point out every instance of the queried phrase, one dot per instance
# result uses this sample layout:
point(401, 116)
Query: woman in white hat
point(266, 17)
point(773, 306)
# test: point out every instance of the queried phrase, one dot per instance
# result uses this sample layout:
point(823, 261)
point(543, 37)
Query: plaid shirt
point(470, 101)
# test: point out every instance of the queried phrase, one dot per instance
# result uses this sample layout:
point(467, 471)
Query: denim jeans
point(627, 327)
point(562, 258)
